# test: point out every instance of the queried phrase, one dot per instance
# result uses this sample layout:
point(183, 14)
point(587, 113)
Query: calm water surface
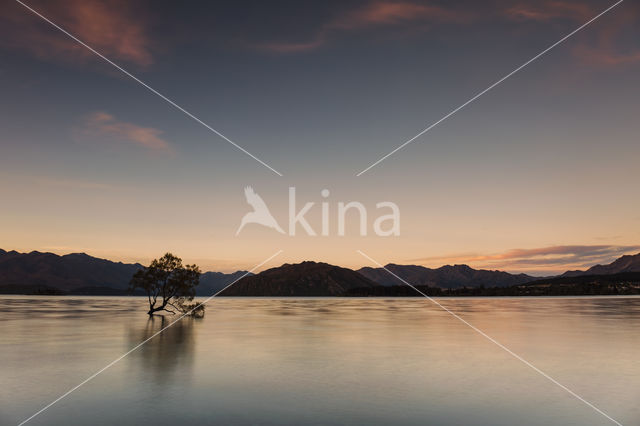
point(321, 361)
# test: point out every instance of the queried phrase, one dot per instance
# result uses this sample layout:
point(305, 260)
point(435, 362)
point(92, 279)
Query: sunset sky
point(539, 175)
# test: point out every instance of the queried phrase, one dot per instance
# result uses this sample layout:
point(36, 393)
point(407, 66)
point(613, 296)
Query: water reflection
point(166, 354)
point(321, 361)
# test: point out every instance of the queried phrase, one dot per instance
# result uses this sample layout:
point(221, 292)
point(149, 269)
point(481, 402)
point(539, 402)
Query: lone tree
point(169, 283)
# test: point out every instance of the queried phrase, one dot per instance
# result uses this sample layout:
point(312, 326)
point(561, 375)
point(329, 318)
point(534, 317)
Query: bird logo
point(260, 214)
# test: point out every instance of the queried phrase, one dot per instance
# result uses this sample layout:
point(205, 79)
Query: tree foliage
point(168, 284)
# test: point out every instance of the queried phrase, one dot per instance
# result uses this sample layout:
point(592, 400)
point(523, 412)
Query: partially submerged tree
point(169, 284)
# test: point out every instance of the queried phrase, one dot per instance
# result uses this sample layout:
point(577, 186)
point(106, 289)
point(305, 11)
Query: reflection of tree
point(167, 352)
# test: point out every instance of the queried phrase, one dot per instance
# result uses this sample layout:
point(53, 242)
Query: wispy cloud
point(607, 47)
point(550, 10)
point(607, 57)
point(293, 47)
point(114, 29)
point(374, 14)
point(549, 259)
point(106, 125)
point(603, 45)
point(394, 13)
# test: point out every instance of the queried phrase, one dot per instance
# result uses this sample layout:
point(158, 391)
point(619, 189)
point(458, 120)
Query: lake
point(334, 361)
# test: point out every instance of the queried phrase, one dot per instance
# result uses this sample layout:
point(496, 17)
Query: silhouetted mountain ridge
point(213, 282)
point(80, 273)
point(626, 263)
point(63, 272)
point(447, 277)
point(301, 279)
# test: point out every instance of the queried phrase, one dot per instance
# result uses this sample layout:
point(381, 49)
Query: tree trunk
point(153, 310)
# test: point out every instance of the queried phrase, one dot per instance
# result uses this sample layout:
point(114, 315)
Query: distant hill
point(64, 273)
point(445, 277)
point(79, 273)
point(627, 263)
point(302, 279)
point(213, 282)
point(624, 283)
point(604, 279)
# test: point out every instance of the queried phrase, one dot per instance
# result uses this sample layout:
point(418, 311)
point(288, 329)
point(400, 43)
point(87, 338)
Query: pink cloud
point(104, 124)
point(285, 47)
point(393, 13)
point(549, 259)
point(112, 28)
point(603, 47)
point(606, 56)
point(549, 10)
point(377, 13)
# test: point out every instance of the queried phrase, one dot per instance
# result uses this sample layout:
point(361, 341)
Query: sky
point(538, 175)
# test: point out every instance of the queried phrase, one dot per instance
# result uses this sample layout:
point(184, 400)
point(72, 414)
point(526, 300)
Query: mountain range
point(626, 263)
point(448, 276)
point(36, 270)
point(79, 273)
